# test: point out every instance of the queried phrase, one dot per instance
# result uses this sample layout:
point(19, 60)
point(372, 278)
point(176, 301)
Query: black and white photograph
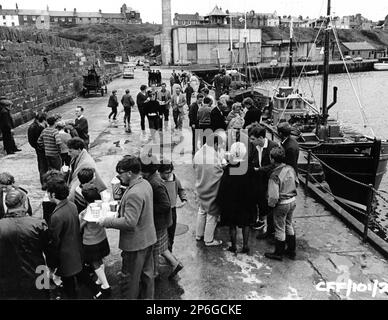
point(210, 152)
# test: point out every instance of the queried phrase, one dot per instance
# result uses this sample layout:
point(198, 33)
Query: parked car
point(358, 59)
point(182, 63)
point(273, 63)
point(304, 59)
point(348, 58)
point(129, 73)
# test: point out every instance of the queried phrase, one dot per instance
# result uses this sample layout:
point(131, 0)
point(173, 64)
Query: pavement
point(327, 251)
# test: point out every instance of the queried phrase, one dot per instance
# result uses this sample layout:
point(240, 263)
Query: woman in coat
point(236, 197)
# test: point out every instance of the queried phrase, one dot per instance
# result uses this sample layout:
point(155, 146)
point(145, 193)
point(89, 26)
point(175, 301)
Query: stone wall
point(39, 71)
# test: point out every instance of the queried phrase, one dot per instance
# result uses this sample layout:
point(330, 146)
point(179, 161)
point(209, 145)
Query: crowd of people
point(262, 197)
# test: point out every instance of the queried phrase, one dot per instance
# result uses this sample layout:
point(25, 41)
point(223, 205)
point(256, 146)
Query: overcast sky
point(151, 9)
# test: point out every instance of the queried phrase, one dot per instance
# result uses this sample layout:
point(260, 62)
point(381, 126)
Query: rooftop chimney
point(64, 9)
point(75, 10)
point(99, 10)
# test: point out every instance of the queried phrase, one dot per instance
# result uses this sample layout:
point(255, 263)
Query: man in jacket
point(137, 231)
point(253, 114)
point(128, 103)
point(113, 104)
point(6, 126)
point(81, 159)
point(23, 243)
point(178, 101)
point(141, 99)
point(282, 192)
point(34, 131)
point(290, 145)
point(189, 92)
point(217, 119)
point(259, 157)
point(65, 249)
point(193, 120)
point(164, 98)
point(208, 173)
point(81, 125)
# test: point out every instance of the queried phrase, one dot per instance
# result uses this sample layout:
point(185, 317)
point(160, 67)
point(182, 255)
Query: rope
point(334, 196)
point(377, 192)
point(362, 110)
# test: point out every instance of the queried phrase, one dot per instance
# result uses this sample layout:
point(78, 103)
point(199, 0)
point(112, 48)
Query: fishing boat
point(382, 65)
point(343, 152)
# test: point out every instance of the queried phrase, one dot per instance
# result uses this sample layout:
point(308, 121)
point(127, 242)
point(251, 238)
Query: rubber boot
point(279, 251)
point(291, 247)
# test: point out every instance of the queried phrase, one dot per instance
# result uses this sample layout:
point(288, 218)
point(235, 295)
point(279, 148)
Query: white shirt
point(4, 205)
point(260, 150)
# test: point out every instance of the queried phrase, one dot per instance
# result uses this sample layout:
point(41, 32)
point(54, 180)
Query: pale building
point(8, 18)
point(210, 44)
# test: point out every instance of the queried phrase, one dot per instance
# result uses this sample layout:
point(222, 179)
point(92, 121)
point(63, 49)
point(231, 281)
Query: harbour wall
point(41, 72)
point(265, 71)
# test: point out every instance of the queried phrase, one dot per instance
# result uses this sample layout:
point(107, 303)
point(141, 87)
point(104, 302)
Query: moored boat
point(350, 160)
point(382, 65)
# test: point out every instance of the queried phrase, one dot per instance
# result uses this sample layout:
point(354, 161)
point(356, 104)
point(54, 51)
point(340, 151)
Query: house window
point(25, 18)
point(56, 19)
point(13, 24)
point(90, 19)
point(80, 19)
point(352, 53)
point(4, 17)
point(4, 23)
point(33, 18)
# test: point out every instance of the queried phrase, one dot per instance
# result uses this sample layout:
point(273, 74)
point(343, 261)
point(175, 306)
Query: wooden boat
point(342, 152)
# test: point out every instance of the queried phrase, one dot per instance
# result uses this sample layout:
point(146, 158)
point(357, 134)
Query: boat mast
point(326, 66)
point(246, 51)
point(291, 54)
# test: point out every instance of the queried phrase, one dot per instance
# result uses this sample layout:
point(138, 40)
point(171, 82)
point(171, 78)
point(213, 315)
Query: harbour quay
point(329, 254)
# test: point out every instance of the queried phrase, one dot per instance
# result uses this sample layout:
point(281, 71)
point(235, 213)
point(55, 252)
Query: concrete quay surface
point(327, 251)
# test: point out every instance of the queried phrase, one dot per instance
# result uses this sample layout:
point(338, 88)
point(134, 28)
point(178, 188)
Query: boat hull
point(365, 162)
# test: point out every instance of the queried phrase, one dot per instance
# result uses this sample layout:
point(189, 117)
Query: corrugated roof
point(89, 15)
point(353, 46)
point(188, 17)
point(10, 12)
point(28, 12)
point(62, 13)
point(217, 12)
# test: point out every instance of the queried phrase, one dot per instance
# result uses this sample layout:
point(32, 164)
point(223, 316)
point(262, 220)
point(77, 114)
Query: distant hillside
point(378, 38)
point(115, 39)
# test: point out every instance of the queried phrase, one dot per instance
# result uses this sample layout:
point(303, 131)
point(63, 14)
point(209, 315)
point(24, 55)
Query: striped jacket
point(50, 141)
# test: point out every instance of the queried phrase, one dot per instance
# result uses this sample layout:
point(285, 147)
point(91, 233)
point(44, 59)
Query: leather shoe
point(178, 268)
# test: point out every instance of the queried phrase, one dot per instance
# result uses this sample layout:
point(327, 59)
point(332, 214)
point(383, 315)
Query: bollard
point(308, 170)
point(369, 208)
